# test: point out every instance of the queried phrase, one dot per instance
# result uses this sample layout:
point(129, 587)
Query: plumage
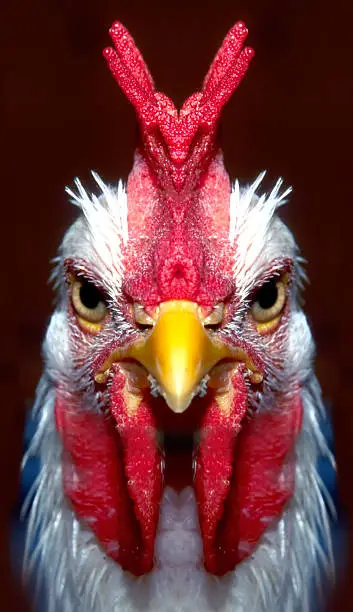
point(245, 526)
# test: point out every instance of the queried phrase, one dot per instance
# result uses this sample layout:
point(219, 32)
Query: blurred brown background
point(64, 115)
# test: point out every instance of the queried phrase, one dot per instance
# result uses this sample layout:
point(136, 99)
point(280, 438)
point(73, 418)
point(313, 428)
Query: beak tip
point(178, 404)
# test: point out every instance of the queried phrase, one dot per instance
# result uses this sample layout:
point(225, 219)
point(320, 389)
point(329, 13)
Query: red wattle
point(94, 479)
point(143, 467)
point(112, 476)
point(214, 465)
point(244, 477)
point(263, 478)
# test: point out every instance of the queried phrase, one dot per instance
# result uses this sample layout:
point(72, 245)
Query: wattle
point(113, 473)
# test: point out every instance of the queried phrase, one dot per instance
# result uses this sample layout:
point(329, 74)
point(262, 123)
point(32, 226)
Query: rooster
point(179, 415)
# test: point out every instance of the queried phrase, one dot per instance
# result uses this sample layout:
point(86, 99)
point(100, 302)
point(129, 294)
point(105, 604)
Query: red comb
point(178, 146)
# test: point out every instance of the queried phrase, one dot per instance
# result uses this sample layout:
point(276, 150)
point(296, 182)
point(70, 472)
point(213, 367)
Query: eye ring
point(88, 301)
point(269, 301)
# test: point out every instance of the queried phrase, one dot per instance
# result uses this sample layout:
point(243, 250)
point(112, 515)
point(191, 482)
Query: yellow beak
point(179, 352)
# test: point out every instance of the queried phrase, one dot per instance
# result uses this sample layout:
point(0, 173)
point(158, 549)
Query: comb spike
point(126, 80)
point(178, 146)
point(229, 82)
point(225, 57)
point(131, 57)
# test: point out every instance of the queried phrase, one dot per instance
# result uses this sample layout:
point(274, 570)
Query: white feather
point(250, 220)
point(106, 219)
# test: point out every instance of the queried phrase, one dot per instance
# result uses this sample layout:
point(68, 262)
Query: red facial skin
point(178, 203)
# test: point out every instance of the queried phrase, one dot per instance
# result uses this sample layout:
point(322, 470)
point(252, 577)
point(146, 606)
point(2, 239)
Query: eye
point(88, 302)
point(269, 301)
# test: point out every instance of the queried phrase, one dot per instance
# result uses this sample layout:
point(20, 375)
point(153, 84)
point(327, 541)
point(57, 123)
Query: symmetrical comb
point(178, 145)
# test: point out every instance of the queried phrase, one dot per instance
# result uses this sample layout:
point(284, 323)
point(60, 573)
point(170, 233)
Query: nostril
point(142, 319)
point(143, 326)
point(215, 318)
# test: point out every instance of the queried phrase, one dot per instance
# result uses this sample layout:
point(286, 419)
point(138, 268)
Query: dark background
point(63, 115)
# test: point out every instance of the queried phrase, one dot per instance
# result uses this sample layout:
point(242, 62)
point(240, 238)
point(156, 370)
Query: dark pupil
point(267, 295)
point(89, 294)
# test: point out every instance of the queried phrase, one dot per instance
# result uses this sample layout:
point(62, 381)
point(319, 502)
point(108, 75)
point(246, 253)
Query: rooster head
point(178, 351)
